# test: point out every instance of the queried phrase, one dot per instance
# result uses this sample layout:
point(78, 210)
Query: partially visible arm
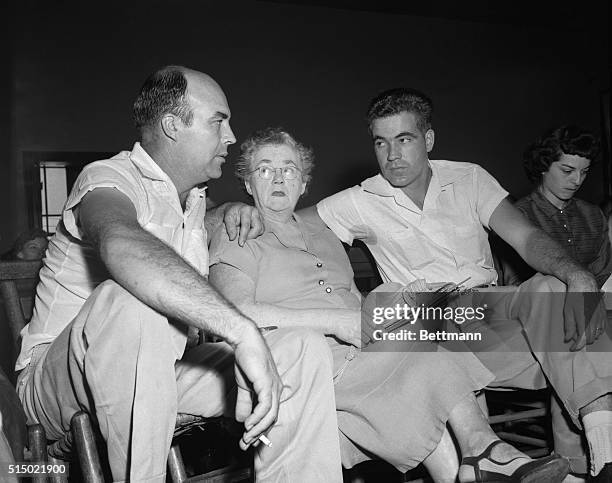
point(538, 249)
point(342, 214)
point(240, 220)
point(240, 289)
point(155, 274)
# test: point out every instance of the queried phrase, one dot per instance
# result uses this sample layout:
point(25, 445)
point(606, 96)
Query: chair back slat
point(19, 269)
point(17, 285)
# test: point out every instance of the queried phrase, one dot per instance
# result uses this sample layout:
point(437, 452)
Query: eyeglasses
point(268, 172)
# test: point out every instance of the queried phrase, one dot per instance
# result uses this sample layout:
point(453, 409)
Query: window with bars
point(49, 177)
point(53, 193)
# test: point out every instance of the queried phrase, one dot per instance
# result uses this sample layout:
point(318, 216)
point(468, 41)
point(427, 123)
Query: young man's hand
point(584, 312)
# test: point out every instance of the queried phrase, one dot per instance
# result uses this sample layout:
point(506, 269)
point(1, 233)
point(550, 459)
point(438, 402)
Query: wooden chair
point(13, 436)
point(17, 282)
point(522, 417)
point(364, 267)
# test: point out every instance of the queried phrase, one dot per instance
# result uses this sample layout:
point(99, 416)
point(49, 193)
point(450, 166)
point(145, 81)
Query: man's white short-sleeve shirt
point(72, 270)
point(446, 241)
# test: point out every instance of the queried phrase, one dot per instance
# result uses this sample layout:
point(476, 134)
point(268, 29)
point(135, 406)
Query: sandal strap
point(473, 460)
point(484, 475)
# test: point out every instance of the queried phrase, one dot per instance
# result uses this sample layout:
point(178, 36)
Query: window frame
point(75, 161)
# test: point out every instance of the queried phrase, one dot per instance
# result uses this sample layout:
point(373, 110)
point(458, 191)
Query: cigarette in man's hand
point(268, 328)
point(265, 440)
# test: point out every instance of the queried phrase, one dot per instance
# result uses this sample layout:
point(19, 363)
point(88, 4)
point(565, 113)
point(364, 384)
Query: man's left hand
point(242, 221)
point(584, 312)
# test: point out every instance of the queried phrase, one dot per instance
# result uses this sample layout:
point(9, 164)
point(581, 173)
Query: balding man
point(124, 278)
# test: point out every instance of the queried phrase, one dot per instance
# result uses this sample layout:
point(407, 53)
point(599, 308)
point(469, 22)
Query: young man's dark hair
point(401, 99)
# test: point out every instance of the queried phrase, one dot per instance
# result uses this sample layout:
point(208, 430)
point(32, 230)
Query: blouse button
point(328, 290)
point(321, 282)
point(319, 264)
point(569, 240)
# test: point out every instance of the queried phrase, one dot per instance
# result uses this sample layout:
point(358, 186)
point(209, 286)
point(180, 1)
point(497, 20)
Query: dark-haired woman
point(558, 164)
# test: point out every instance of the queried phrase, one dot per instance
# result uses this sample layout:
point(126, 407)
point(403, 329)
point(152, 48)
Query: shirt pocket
point(413, 244)
point(467, 240)
point(166, 233)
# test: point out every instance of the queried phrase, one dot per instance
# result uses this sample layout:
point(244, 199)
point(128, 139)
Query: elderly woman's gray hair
point(275, 136)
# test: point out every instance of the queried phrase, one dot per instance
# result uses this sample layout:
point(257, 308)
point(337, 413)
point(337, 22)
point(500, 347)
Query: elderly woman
point(390, 405)
point(557, 164)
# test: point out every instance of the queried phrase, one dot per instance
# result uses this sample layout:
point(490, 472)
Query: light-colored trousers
point(121, 361)
point(523, 346)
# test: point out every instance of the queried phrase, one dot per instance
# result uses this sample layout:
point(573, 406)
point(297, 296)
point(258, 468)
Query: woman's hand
point(347, 327)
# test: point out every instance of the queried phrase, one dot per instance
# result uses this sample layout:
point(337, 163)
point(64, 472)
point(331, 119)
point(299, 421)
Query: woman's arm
point(240, 289)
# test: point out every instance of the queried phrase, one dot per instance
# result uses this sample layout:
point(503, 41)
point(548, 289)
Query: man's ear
point(169, 126)
point(247, 185)
point(430, 138)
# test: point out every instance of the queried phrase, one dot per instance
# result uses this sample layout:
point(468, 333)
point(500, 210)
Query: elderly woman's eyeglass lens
point(268, 172)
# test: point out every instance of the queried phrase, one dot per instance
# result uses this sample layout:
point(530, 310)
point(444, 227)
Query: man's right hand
point(584, 312)
point(255, 373)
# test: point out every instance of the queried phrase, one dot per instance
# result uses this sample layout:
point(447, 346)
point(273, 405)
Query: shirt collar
point(378, 185)
point(448, 175)
point(146, 165)
point(308, 230)
point(546, 206)
point(150, 169)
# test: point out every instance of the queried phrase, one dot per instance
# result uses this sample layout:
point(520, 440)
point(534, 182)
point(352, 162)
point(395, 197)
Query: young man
point(428, 219)
point(126, 276)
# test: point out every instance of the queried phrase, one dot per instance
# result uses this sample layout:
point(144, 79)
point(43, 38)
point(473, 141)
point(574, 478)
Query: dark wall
point(310, 69)
point(5, 182)
point(76, 69)
point(6, 125)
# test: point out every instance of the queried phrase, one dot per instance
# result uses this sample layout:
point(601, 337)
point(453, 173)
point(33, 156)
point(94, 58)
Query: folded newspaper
point(438, 297)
